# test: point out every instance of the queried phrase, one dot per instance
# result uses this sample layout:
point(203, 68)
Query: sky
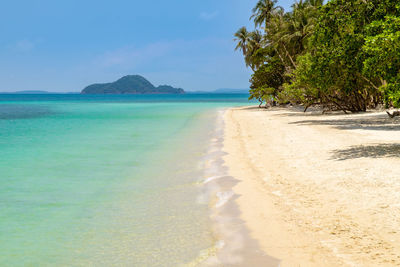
point(65, 45)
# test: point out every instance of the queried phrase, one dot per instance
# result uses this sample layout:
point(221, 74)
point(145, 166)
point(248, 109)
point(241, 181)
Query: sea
point(107, 180)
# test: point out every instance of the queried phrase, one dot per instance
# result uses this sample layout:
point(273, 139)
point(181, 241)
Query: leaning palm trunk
point(290, 58)
point(279, 55)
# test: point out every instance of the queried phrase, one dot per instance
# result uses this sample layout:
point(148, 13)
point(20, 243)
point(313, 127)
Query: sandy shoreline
point(317, 190)
point(233, 244)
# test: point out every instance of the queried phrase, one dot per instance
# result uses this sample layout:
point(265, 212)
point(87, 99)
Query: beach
point(195, 180)
point(317, 190)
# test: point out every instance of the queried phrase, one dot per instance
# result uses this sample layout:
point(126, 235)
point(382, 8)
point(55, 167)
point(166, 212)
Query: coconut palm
point(263, 12)
point(273, 38)
point(254, 44)
point(242, 38)
point(290, 31)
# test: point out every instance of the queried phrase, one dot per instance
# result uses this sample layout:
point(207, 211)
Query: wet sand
point(234, 244)
point(316, 190)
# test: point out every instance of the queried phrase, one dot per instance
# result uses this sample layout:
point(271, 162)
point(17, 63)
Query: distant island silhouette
point(131, 84)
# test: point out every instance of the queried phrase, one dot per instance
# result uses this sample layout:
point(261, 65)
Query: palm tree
point(315, 3)
point(242, 39)
point(254, 43)
point(289, 31)
point(296, 28)
point(263, 12)
point(274, 32)
point(285, 33)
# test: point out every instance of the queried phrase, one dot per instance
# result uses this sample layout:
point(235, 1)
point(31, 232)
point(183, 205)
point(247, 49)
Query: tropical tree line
point(342, 55)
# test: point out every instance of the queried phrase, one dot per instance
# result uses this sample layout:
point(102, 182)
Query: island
point(131, 84)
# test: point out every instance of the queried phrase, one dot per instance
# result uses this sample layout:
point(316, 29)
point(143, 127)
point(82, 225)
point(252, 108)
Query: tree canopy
point(342, 55)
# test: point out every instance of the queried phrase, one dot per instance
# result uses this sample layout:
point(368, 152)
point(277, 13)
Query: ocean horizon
point(107, 179)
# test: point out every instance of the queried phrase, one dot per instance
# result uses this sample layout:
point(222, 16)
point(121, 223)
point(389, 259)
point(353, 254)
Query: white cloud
point(208, 15)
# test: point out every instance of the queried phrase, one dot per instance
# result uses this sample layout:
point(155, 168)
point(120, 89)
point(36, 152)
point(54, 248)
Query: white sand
point(317, 190)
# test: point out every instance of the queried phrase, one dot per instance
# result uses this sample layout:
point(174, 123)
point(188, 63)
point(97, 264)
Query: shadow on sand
point(365, 121)
point(370, 151)
point(377, 123)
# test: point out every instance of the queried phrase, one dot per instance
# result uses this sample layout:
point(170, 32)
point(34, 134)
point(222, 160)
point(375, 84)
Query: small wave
point(223, 198)
point(211, 178)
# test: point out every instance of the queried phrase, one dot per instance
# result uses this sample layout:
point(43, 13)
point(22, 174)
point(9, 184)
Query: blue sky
point(67, 44)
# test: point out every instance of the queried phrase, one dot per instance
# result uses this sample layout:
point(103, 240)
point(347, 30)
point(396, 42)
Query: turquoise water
point(104, 180)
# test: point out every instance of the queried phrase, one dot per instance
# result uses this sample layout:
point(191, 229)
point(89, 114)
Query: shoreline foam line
point(238, 249)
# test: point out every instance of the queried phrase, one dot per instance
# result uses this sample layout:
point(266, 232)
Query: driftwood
point(394, 114)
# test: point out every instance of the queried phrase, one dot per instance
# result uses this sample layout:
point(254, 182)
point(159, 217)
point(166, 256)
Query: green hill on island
point(131, 84)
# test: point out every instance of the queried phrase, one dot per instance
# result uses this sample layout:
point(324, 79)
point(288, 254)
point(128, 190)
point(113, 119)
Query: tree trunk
point(369, 81)
point(261, 101)
point(287, 53)
point(279, 55)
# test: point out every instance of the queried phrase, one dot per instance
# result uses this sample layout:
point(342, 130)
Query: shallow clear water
point(104, 180)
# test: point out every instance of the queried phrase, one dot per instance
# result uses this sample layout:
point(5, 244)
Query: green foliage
point(334, 63)
point(267, 80)
point(264, 11)
point(299, 91)
point(342, 55)
point(382, 47)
